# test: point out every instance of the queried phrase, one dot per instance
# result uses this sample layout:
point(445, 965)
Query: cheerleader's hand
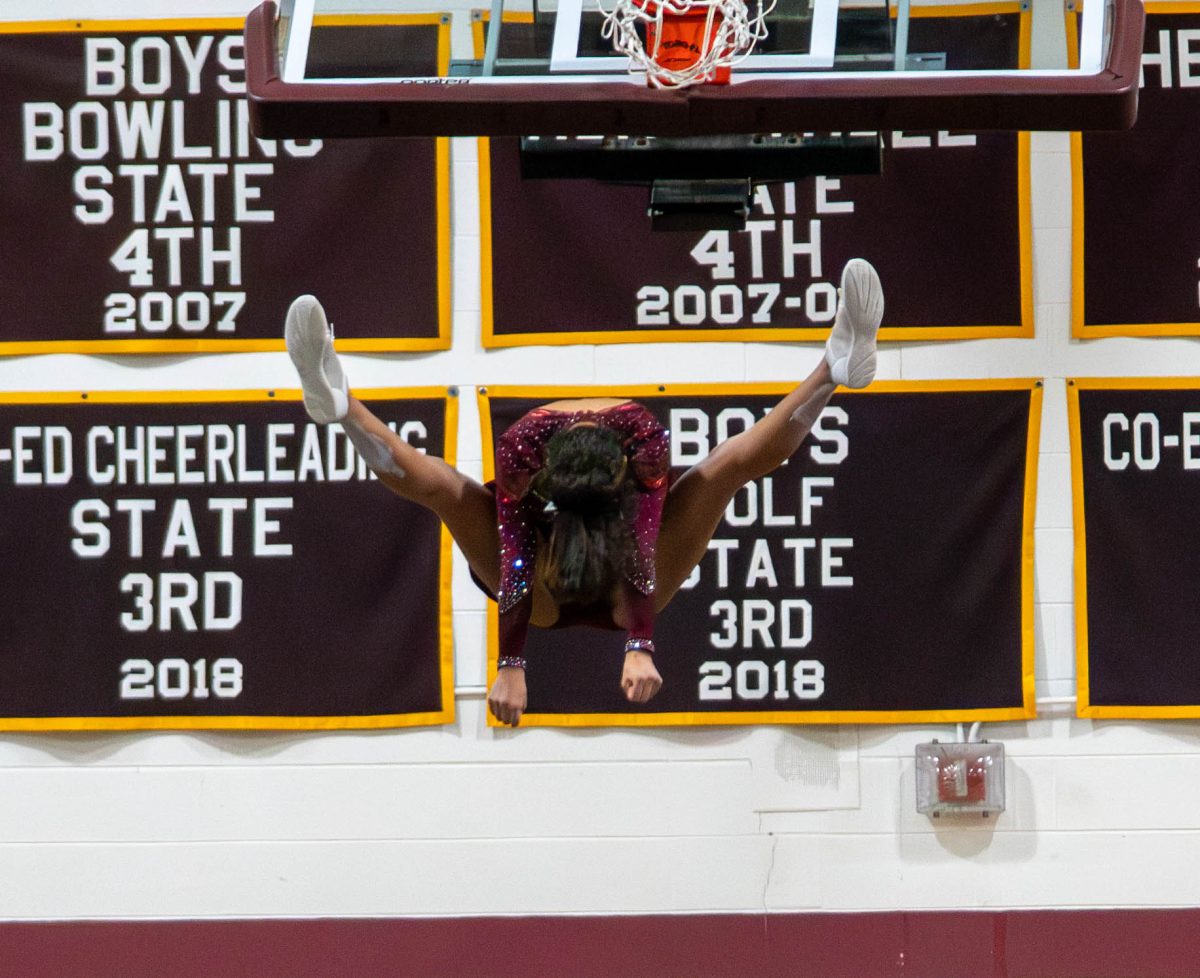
point(508, 697)
point(639, 679)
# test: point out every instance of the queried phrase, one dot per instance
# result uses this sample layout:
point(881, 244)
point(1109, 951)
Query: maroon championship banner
point(883, 575)
point(139, 214)
point(1135, 468)
point(215, 560)
point(1136, 201)
point(575, 261)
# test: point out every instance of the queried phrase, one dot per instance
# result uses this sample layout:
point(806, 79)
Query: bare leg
point(697, 501)
point(466, 507)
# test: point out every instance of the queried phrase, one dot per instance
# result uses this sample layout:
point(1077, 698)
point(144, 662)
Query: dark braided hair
point(590, 542)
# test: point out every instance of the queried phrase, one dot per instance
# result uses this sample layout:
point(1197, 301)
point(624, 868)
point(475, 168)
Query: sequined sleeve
point(648, 447)
point(647, 443)
point(516, 522)
point(519, 450)
point(518, 459)
point(518, 556)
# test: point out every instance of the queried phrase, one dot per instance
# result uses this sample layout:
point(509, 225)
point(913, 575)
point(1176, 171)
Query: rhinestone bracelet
point(639, 645)
point(511, 661)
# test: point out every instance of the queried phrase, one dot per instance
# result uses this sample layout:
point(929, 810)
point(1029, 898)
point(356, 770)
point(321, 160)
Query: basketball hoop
point(688, 42)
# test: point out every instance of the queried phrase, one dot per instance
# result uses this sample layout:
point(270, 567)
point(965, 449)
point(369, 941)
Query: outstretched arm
point(516, 522)
point(640, 680)
point(508, 697)
point(649, 449)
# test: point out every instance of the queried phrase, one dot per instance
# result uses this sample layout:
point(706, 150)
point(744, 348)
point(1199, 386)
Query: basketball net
point(688, 42)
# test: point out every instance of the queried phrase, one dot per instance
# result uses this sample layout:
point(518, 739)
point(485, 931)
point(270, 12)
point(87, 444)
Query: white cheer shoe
point(850, 350)
point(310, 345)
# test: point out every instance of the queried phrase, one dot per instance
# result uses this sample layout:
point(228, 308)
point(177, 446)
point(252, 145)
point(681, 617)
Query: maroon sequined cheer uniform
point(519, 457)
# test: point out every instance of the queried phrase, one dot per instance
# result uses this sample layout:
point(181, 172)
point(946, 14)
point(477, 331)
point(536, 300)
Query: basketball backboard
point(330, 68)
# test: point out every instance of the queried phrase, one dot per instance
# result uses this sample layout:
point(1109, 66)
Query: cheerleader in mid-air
point(581, 526)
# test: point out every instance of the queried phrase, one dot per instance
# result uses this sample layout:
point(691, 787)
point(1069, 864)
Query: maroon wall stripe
point(971, 944)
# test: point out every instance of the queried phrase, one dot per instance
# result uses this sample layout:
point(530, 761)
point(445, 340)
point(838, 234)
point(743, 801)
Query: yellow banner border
point(445, 285)
point(1028, 708)
point(1023, 330)
point(1084, 708)
point(1079, 328)
point(445, 714)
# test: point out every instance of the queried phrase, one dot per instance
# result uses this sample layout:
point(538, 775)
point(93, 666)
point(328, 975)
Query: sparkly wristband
point(639, 645)
point(511, 661)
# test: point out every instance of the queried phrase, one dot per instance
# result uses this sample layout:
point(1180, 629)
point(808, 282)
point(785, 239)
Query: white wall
point(467, 820)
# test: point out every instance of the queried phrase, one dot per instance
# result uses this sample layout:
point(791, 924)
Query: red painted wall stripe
point(973, 944)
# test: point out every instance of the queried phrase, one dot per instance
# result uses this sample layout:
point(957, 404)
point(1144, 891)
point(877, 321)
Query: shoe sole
point(862, 295)
point(306, 334)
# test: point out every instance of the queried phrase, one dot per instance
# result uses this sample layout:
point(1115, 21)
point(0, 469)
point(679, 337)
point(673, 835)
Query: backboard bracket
point(700, 205)
point(759, 158)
